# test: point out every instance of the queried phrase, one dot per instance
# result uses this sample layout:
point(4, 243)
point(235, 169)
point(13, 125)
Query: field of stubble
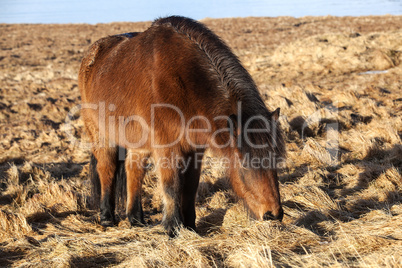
point(341, 188)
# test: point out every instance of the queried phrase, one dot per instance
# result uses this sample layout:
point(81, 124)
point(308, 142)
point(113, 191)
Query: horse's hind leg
point(106, 168)
point(190, 177)
point(171, 189)
point(135, 169)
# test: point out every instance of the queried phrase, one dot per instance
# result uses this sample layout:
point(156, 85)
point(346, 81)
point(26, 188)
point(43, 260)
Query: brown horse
point(170, 93)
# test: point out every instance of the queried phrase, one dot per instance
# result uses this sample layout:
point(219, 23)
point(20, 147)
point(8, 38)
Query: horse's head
point(254, 166)
point(260, 191)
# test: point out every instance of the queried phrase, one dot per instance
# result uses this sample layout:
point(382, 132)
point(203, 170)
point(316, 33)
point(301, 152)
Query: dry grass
point(341, 187)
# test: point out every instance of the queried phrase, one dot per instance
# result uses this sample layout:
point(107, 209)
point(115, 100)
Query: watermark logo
point(167, 126)
point(181, 163)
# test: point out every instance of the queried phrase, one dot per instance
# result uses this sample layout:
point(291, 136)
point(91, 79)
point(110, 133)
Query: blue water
point(103, 11)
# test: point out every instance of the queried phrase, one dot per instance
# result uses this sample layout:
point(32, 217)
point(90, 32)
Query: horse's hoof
point(173, 231)
point(107, 223)
point(137, 223)
point(136, 219)
point(191, 228)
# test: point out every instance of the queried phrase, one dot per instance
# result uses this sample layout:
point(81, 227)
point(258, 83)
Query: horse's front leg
point(190, 177)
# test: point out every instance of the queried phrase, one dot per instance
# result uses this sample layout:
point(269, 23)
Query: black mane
point(234, 77)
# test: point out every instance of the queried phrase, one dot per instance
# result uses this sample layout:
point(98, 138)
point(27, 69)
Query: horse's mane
point(234, 79)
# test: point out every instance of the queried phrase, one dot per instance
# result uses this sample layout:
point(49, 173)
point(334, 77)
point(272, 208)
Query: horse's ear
point(232, 125)
point(275, 114)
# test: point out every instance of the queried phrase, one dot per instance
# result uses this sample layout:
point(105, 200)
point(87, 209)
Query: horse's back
point(96, 52)
point(159, 64)
point(161, 76)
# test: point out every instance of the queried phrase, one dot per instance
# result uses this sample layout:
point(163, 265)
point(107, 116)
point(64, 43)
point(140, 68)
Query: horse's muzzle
point(270, 216)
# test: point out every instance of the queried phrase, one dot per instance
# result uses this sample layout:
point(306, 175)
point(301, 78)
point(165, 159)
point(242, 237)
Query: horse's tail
point(95, 193)
point(119, 181)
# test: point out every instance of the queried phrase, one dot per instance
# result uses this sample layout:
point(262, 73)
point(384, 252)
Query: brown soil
point(341, 187)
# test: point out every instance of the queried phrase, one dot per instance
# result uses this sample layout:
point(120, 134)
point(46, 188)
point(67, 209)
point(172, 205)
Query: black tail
point(94, 199)
point(120, 179)
point(119, 182)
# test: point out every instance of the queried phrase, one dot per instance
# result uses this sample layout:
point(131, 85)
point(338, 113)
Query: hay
point(341, 186)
